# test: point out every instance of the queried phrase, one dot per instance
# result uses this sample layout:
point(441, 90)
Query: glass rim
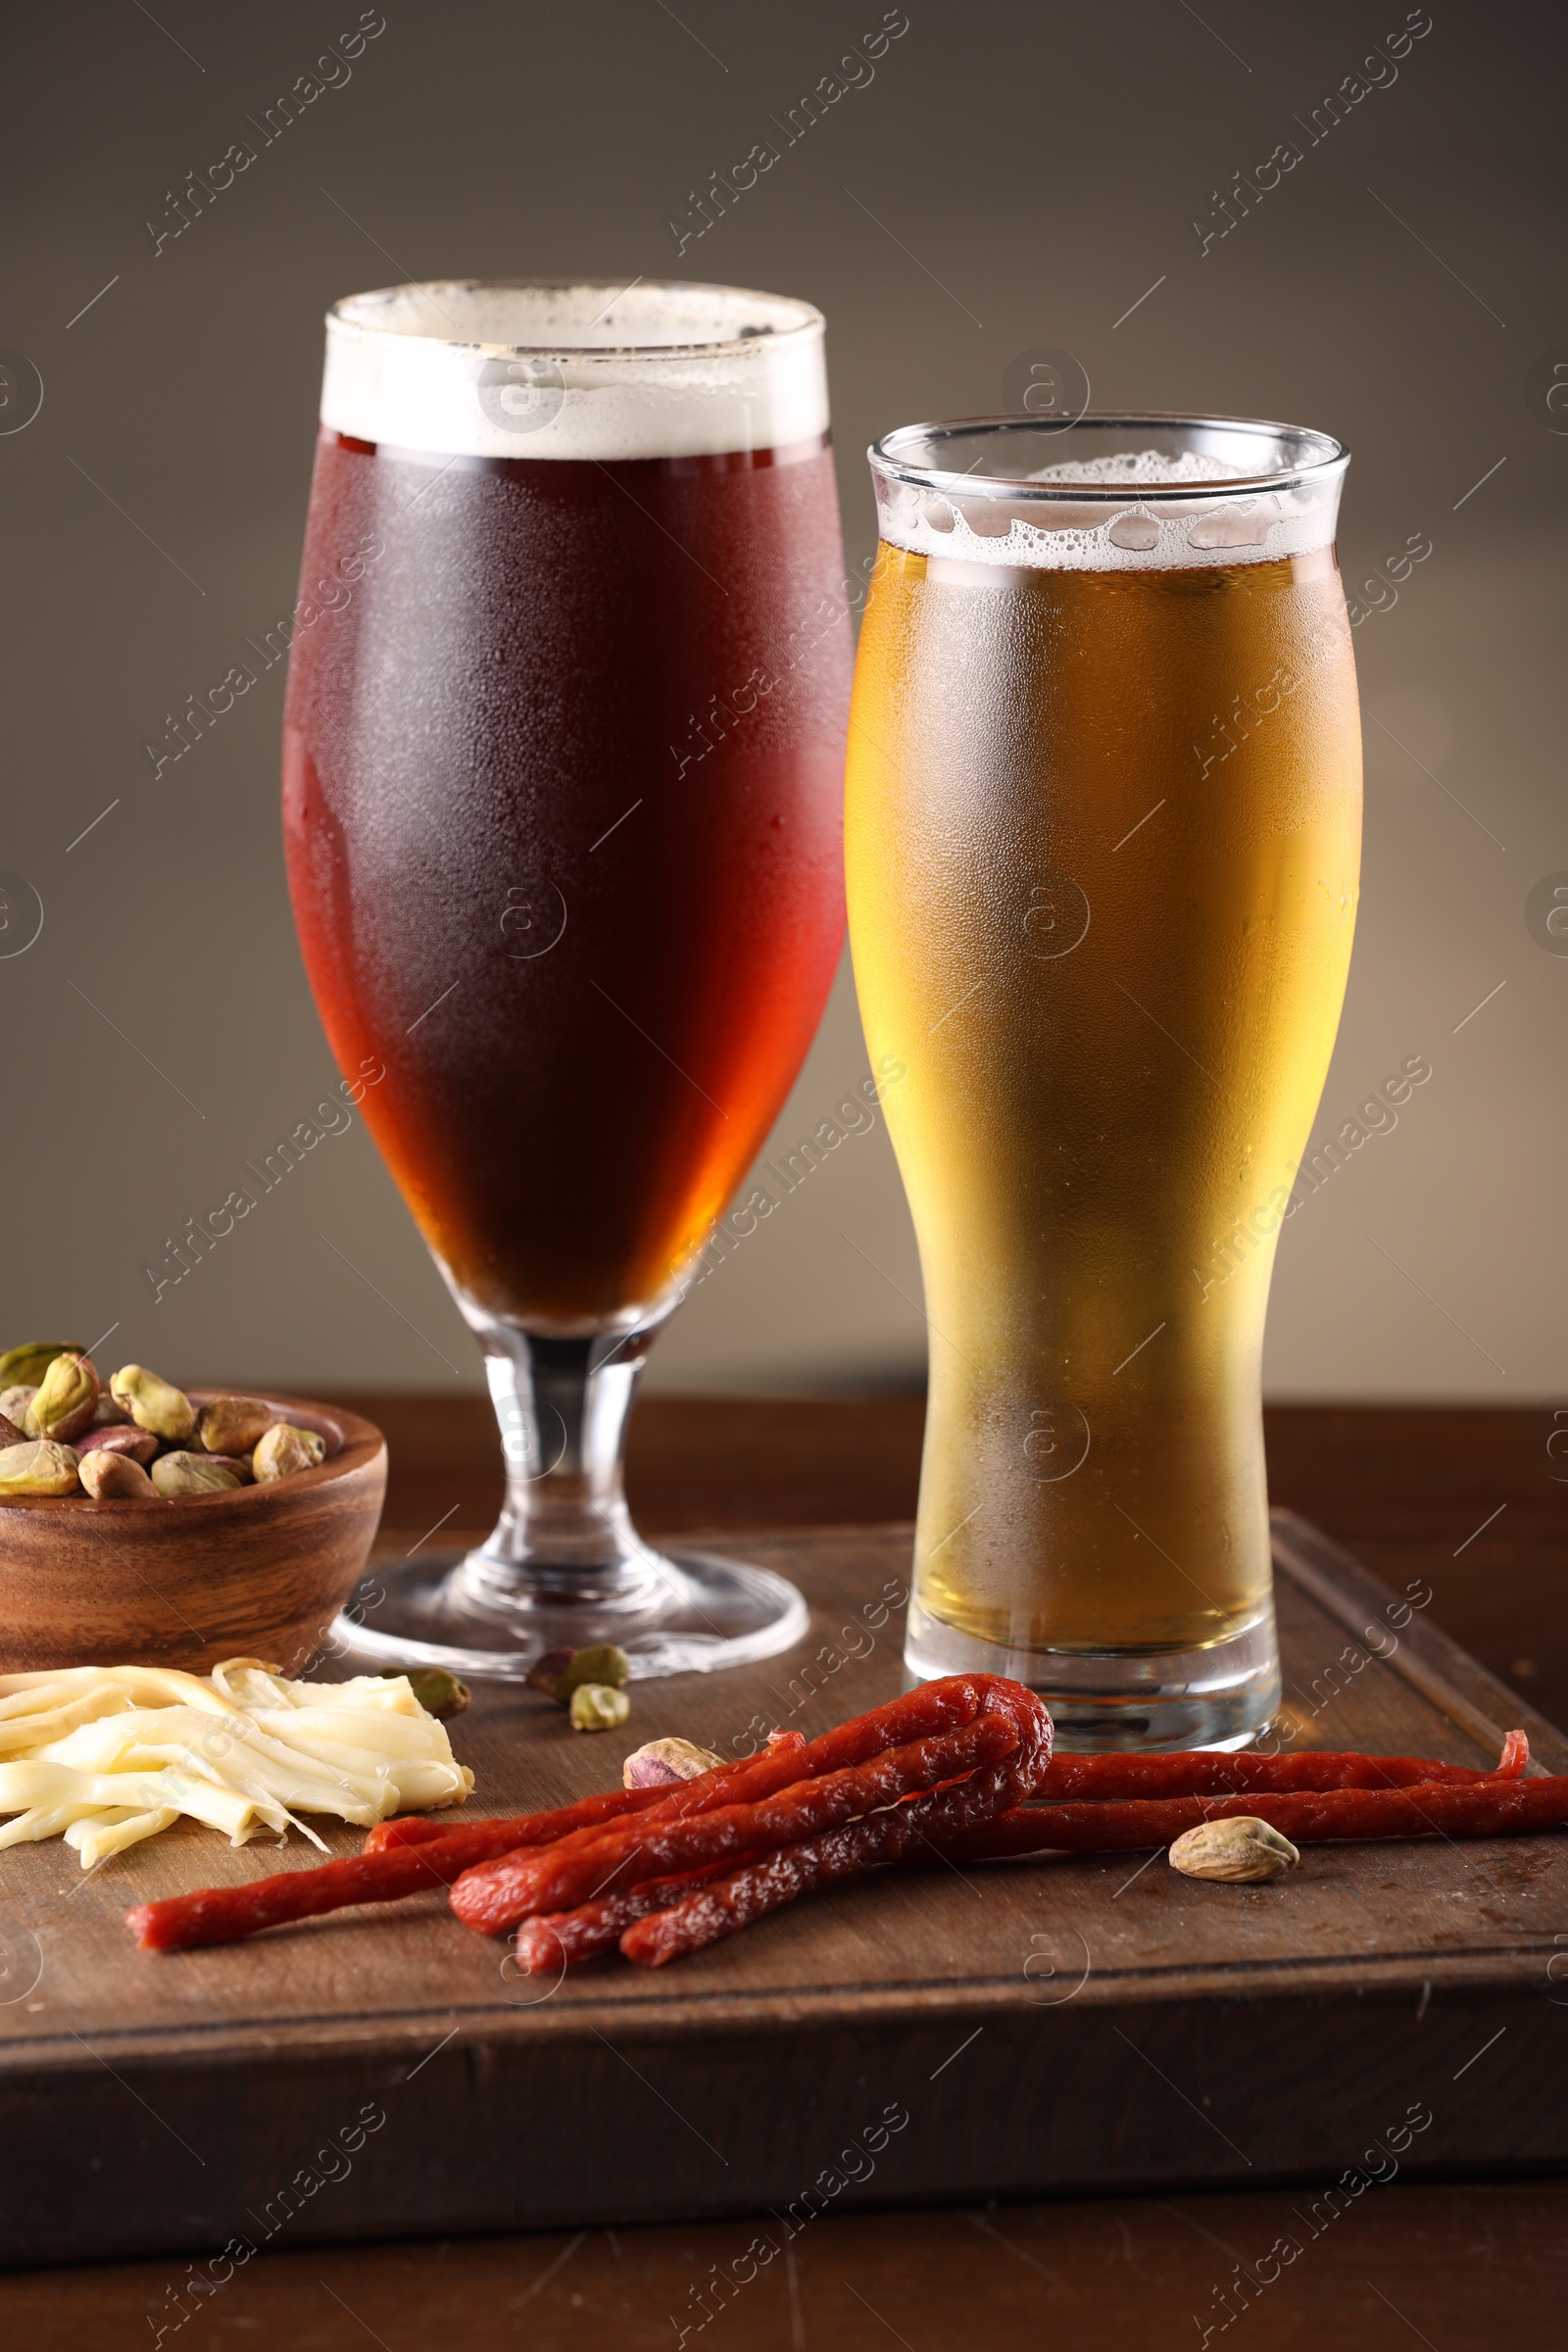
point(342, 319)
point(1327, 459)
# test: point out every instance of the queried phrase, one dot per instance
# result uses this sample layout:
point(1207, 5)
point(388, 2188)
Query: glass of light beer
point(563, 768)
point(1102, 841)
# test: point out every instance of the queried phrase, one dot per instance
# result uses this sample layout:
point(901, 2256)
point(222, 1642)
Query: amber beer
point(1102, 841)
point(561, 802)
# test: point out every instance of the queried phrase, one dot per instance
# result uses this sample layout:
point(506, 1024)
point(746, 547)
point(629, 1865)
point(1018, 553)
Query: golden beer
point(1102, 835)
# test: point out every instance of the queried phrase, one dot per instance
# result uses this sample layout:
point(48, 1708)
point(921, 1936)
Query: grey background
point(1014, 176)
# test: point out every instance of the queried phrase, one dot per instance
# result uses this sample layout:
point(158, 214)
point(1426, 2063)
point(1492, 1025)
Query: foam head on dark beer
point(593, 371)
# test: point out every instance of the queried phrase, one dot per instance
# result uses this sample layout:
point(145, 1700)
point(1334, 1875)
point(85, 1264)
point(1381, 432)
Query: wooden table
point(1453, 2265)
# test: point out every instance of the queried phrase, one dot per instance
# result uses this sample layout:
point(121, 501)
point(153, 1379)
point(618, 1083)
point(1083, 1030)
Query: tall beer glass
point(1101, 842)
point(562, 808)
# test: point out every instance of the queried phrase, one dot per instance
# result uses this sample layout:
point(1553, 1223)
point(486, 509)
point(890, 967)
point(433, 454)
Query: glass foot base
point(1222, 1696)
point(691, 1612)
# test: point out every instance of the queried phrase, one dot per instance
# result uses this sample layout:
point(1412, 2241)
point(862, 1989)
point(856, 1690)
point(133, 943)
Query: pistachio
point(284, 1449)
point(561, 1671)
point(662, 1761)
point(63, 1403)
point(546, 1672)
point(1239, 1847)
point(176, 1473)
point(603, 1664)
point(10, 1434)
point(112, 1477)
point(29, 1363)
point(596, 1707)
point(153, 1404)
point(138, 1444)
point(107, 1414)
point(15, 1401)
point(39, 1466)
point(239, 1464)
point(233, 1424)
point(438, 1693)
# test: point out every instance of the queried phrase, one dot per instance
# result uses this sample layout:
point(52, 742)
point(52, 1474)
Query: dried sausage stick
point(499, 1894)
point(1201, 1772)
point(923, 1830)
point(1431, 1808)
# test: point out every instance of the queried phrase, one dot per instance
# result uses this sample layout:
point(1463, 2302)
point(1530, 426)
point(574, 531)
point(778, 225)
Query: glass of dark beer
point(1102, 835)
point(562, 809)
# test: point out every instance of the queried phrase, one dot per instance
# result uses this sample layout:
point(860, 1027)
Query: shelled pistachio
point(64, 1400)
point(174, 1473)
point(139, 1443)
point(28, 1363)
point(111, 1477)
point(285, 1450)
point(596, 1707)
point(233, 1424)
point(39, 1466)
point(153, 1404)
point(56, 1414)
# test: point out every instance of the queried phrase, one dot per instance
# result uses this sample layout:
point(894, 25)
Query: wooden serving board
point(1055, 2025)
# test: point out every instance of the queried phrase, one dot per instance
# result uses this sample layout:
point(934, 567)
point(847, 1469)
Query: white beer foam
point(1147, 468)
point(591, 370)
point(1160, 533)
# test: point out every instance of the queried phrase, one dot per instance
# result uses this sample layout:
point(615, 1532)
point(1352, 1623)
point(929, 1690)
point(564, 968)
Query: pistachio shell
point(153, 1404)
point(596, 1707)
point(112, 1477)
point(664, 1761)
point(285, 1450)
point(10, 1434)
point(176, 1473)
point(233, 1424)
point(63, 1403)
point(15, 1401)
point(1239, 1847)
point(39, 1466)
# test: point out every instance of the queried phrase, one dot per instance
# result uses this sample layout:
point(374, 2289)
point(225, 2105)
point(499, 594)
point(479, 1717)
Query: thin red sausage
point(1494, 1807)
point(559, 1877)
point(499, 1894)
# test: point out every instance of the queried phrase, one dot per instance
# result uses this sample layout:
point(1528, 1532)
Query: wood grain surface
point(1062, 2025)
point(1445, 2264)
point(1473, 2267)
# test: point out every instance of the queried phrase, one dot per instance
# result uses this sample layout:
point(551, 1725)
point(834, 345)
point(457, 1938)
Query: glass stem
point(563, 1405)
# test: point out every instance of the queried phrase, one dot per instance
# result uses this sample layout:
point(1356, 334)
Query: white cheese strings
point(107, 1755)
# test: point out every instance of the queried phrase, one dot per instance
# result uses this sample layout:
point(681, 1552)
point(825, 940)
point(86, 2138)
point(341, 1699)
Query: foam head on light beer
point(1102, 838)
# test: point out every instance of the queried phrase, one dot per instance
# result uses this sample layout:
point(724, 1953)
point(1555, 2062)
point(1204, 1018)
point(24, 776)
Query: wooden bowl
point(253, 1572)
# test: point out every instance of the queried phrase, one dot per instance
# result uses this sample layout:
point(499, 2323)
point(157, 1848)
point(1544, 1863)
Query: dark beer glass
point(562, 809)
